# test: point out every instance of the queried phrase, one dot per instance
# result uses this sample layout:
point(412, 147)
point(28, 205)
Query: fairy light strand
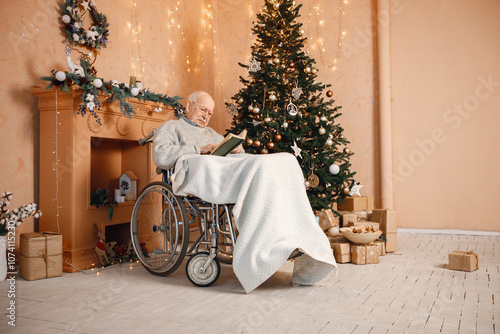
point(56, 169)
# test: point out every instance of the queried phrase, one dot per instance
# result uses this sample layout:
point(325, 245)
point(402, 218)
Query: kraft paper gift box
point(365, 254)
point(328, 219)
point(464, 261)
point(388, 220)
point(342, 252)
point(391, 242)
point(357, 203)
point(348, 217)
point(40, 255)
point(381, 247)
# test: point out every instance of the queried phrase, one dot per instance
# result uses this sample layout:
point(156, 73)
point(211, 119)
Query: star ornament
point(296, 150)
point(355, 190)
point(254, 65)
point(255, 123)
point(232, 109)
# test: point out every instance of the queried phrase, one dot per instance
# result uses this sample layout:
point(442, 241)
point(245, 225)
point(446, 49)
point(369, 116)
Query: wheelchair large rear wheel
point(159, 229)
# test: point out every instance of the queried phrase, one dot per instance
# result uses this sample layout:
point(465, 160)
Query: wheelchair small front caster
point(196, 276)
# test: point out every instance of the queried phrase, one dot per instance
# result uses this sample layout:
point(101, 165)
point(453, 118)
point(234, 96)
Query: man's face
point(200, 112)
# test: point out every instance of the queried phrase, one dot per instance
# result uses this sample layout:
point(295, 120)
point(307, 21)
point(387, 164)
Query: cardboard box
point(40, 255)
point(465, 261)
point(388, 220)
point(348, 217)
point(337, 239)
point(342, 252)
point(328, 219)
point(391, 243)
point(363, 214)
point(381, 247)
point(365, 254)
point(357, 203)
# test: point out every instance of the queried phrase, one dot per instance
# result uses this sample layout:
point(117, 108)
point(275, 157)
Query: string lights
point(56, 169)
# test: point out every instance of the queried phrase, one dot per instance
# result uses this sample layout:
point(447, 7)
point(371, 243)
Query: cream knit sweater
point(176, 138)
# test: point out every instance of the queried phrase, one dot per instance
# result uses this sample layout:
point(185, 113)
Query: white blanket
point(272, 213)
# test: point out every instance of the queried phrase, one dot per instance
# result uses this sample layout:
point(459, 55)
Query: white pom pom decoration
point(98, 83)
point(66, 19)
point(134, 91)
point(60, 76)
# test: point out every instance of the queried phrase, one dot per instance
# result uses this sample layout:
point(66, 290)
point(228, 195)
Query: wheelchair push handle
point(146, 139)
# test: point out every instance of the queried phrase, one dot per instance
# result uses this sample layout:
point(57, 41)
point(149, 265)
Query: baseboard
point(458, 232)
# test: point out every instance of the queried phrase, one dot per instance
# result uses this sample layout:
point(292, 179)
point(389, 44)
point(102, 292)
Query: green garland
point(93, 87)
point(96, 36)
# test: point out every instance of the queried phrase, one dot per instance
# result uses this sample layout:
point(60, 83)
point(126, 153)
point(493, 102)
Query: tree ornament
point(270, 61)
point(134, 91)
point(276, 61)
point(240, 100)
point(296, 150)
point(292, 109)
point(256, 110)
point(330, 136)
point(267, 119)
point(341, 137)
point(60, 76)
point(346, 190)
point(264, 8)
point(314, 71)
point(313, 180)
point(334, 169)
point(323, 118)
point(302, 32)
point(347, 151)
point(97, 83)
point(270, 145)
point(264, 151)
point(329, 142)
point(277, 137)
point(255, 123)
point(232, 109)
point(251, 80)
point(249, 142)
point(276, 5)
point(355, 189)
point(292, 65)
point(285, 125)
point(262, 25)
point(273, 97)
point(329, 93)
point(256, 143)
point(250, 108)
point(307, 69)
point(322, 130)
point(296, 92)
point(307, 184)
point(254, 65)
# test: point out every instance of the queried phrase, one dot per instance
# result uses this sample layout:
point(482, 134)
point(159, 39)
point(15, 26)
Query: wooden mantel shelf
point(78, 155)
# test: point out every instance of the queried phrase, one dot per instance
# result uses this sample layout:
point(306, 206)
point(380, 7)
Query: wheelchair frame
point(160, 228)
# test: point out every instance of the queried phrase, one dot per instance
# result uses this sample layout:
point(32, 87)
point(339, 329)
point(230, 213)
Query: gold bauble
point(341, 136)
point(256, 110)
point(329, 93)
point(314, 71)
point(277, 137)
point(250, 108)
point(264, 8)
point(307, 184)
point(264, 151)
point(276, 60)
point(322, 130)
point(347, 151)
point(249, 142)
point(301, 32)
point(240, 100)
point(267, 119)
point(270, 145)
point(276, 5)
point(329, 142)
point(292, 65)
point(346, 190)
point(323, 118)
point(256, 143)
point(270, 61)
point(272, 97)
point(307, 69)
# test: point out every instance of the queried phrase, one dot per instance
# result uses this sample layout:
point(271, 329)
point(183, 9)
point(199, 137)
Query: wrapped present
point(391, 242)
point(365, 254)
point(381, 247)
point(465, 261)
point(363, 214)
point(357, 203)
point(40, 255)
point(342, 252)
point(388, 220)
point(337, 239)
point(328, 219)
point(347, 217)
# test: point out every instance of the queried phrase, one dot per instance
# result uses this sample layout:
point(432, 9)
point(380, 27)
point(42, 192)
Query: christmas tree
point(284, 108)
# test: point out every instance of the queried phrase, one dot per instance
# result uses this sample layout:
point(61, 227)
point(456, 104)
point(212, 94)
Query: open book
point(229, 143)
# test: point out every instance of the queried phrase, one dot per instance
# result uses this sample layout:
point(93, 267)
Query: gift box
point(464, 261)
point(342, 252)
point(381, 247)
point(388, 220)
point(391, 242)
point(365, 254)
point(40, 255)
point(348, 217)
point(328, 219)
point(363, 214)
point(357, 203)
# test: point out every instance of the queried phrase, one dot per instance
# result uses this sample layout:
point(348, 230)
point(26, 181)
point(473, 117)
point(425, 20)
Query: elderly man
point(188, 135)
point(272, 212)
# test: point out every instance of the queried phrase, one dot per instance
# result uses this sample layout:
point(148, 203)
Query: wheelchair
point(160, 228)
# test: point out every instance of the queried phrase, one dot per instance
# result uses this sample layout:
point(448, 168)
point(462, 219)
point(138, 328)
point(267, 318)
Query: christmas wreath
point(96, 36)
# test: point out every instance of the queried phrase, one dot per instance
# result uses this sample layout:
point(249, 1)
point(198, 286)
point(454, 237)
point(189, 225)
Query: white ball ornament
point(250, 108)
point(60, 76)
point(267, 119)
point(329, 142)
point(334, 169)
point(314, 71)
point(307, 69)
point(98, 83)
point(264, 8)
point(66, 19)
point(322, 130)
point(323, 118)
point(256, 110)
point(307, 184)
point(272, 97)
point(276, 5)
point(285, 125)
point(301, 32)
point(134, 91)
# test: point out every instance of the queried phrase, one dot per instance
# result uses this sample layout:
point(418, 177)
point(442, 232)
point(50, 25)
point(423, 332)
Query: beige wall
point(445, 118)
point(439, 49)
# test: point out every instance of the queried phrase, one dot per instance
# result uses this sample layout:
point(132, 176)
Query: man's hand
point(237, 149)
point(207, 149)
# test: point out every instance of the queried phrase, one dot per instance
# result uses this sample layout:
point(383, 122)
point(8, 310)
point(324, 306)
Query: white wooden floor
point(407, 292)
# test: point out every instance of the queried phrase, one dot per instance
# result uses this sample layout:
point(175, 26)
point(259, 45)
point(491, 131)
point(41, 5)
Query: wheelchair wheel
point(206, 278)
point(225, 246)
point(159, 229)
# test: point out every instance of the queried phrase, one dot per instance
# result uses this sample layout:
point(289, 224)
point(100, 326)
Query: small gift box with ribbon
point(40, 255)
